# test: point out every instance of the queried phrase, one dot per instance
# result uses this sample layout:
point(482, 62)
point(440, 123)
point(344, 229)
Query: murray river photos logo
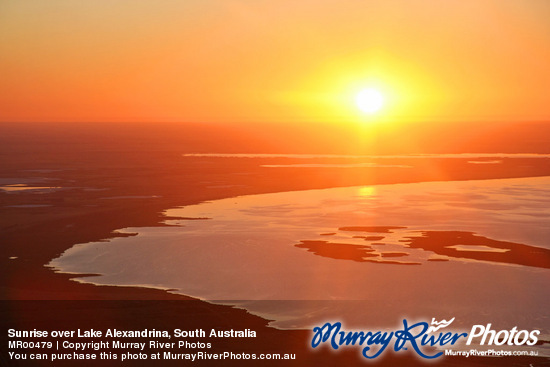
point(418, 337)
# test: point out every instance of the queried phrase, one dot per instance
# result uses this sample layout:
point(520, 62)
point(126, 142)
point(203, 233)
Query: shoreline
point(115, 215)
point(245, 236)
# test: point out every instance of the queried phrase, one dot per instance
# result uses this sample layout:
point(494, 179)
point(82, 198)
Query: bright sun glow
point(369, 100)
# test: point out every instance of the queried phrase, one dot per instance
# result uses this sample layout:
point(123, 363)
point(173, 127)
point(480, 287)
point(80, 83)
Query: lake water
point(367, 256)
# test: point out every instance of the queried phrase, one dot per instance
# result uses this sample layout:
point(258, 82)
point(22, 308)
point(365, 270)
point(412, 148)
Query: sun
point(370, 100)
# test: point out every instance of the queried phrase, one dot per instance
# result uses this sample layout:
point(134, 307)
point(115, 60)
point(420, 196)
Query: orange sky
point(260, 60)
